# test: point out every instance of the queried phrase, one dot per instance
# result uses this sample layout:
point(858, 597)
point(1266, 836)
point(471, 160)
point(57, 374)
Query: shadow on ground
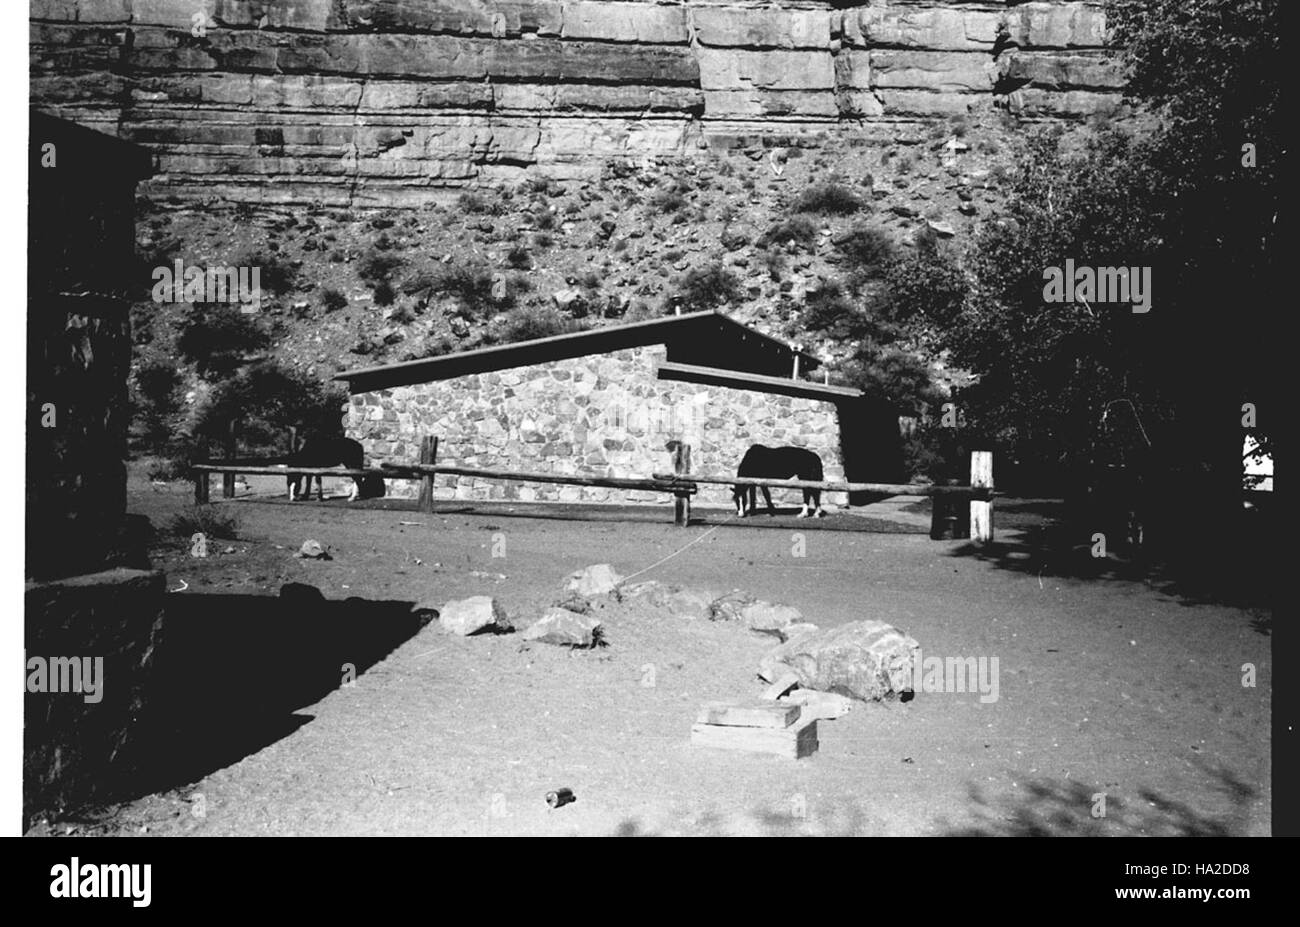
point(1055, 808)
point(1035, 538)
point(232, 672)
point(1038, 808)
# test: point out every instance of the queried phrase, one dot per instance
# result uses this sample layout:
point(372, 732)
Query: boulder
point(868, 660)
point(472, 615)
point(791, 631)
point(561, 626)
point(678, 601)
point(313, 550)
point(730, 607)
point(764, 616)
point(567, 299)
point(599, 579)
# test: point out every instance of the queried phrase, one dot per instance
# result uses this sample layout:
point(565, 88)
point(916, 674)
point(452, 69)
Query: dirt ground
point(1108, 684)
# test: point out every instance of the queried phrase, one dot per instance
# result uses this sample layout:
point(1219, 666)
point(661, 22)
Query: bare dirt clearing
point(1106, 685)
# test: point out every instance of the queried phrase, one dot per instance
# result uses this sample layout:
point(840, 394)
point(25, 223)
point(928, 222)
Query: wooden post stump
point(428, 455)
point(228, 479)
point(681, 468)
point(981, 511)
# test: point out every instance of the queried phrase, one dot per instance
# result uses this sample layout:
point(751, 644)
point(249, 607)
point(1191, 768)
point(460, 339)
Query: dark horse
point(325, 452)
point(778, 463)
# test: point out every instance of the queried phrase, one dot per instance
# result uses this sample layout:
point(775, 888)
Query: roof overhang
point(714, 376)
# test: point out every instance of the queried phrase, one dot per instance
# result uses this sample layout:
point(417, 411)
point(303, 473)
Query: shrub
point(667, 201)
point(384, 293)
point(868, 251)
point(474, 203)
point(471, 285)
point(529, 323)
point(828, 311)
point(828, 199)
point(708, 288)
point(378, 266)
point(545, 220)
point(277, 275)
point(333, 299)
point(798, 229)
point(543, 241)
point(168, 470)
point(517, 257)
point(218, 338)
point(776, 263)
point(265, 400)
point(209, 520)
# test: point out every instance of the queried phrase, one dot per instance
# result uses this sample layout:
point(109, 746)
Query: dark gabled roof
point(697, 337)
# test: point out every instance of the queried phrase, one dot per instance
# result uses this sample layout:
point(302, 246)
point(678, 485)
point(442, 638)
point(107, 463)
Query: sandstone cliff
point(386, 101)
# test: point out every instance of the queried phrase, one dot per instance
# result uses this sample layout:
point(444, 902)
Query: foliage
point(219, 338)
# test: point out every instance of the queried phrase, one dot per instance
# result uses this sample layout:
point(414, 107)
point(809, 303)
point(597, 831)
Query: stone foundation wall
point(605, 414)
point(386, 101)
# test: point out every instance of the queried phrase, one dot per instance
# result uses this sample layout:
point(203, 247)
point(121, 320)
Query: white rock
point(472, 615)
point(599, 579)
point(561, 626)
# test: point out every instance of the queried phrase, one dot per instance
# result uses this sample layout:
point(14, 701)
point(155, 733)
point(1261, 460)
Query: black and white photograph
point(650, 418)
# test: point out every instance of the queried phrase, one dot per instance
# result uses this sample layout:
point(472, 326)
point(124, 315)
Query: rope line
point(679, 550)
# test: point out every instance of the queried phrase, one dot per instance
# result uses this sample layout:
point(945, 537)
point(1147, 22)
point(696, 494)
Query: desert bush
point(517, 257)
point(333, 299)
point(471, 285)
point(384, 293)
point(667, 201)
point(533, 322)
point(828, 199)
point(378, 266)
point(798, 229)
point(263, 401)
point(868, 251)
point(218, 338)
point(775, 261)
point(708, 287)
point(209, 520)
point(278, 276)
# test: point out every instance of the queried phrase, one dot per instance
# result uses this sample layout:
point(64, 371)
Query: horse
point(781, 463)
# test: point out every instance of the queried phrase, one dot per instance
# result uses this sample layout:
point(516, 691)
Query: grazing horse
point(325, 452)
point(778, 463)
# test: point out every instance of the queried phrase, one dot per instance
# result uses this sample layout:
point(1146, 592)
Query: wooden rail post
point(428, 455)
point(228, 478)
point(681, 500)
point(200, 487)
point(981, 511)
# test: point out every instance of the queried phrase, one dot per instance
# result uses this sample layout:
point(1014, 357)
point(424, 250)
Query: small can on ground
point(560, 797)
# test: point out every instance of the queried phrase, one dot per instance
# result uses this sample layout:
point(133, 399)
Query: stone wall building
point(606, 402)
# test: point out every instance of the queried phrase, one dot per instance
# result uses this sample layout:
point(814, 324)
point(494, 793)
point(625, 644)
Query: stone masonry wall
point(604, 414)
point(383, 102)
